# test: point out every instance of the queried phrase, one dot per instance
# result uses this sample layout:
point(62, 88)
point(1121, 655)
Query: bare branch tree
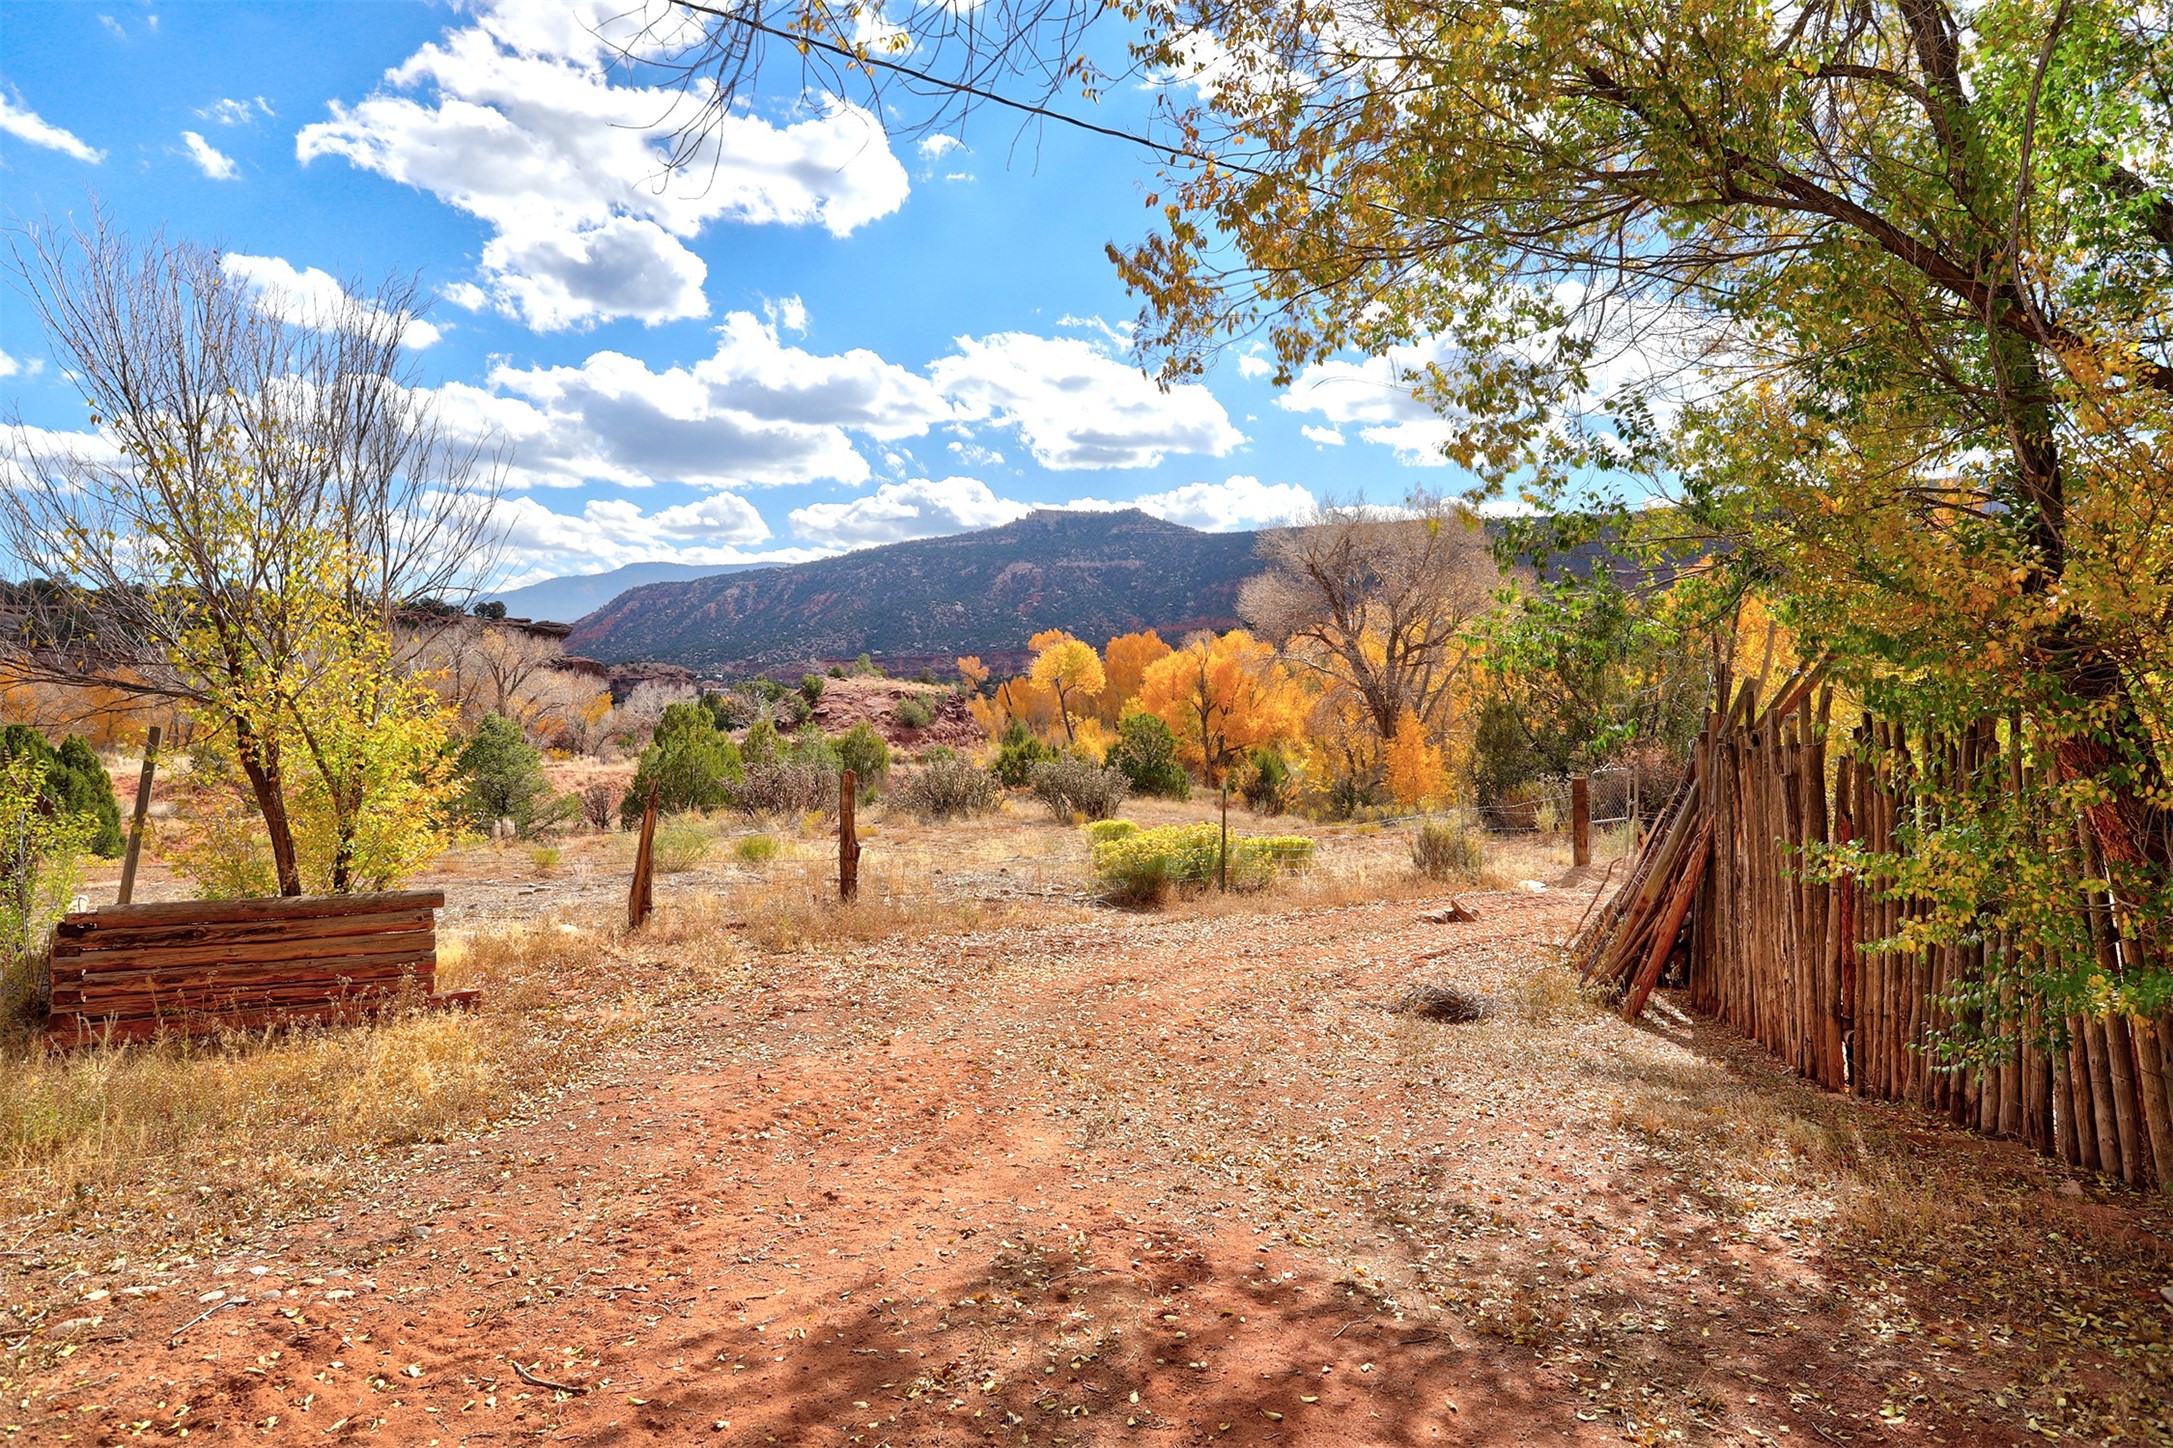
point(247, 460)
point(1378, 601)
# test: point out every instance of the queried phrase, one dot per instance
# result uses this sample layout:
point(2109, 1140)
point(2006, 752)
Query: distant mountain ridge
point(930, 600)
point(566, 599)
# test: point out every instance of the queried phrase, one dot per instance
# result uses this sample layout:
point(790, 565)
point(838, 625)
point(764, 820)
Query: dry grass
point(796, 907)
point(188, 1135)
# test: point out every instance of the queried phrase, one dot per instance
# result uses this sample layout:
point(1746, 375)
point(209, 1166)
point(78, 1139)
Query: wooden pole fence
point(1721, 898)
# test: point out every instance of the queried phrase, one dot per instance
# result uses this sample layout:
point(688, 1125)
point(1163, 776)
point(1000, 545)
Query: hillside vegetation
point(926, 602)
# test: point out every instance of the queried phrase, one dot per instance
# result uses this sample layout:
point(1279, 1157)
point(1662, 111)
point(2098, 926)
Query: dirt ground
point(1107, 1178)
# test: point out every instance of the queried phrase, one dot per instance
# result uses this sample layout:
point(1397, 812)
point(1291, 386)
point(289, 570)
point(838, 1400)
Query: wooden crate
point(130, 972)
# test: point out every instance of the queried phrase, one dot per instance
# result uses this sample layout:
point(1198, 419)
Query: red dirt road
point(1165, 1183)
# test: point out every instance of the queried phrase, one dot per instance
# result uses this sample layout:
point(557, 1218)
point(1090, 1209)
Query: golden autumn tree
point(1124, 665)
point(1222, 697)
point(1413, 764)
point(1032, 704)
point(1070, 670)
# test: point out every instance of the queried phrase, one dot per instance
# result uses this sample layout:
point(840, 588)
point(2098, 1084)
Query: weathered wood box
point(130, 972)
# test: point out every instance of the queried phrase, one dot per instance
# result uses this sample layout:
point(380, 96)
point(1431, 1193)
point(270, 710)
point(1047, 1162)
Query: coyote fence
point(1724, 899)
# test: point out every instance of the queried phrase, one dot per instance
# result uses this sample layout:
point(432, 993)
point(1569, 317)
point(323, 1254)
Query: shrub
point(38, 849)
point(1071, 786)
point(865, 753)
point(679, 847)
point(1291, 854)
point(950, 788)
point(867, 668)
point(1141, 867)
point(74, 783)
point(760, 745)
point(689, 764)
point(791, 711)
point(913, 713)
point(77, 783)
point(502, 775)
point(787, 787)
point(596, 806)
point(1102, 831)
point(544, 858)
point(733, 709)
point(925, 676)
point(1448, 849)
point(811, 686)
point(1265, 782)
point(810, 746)
point(1146, 752)
point(756, 850)
point(767, 689)
point(837, 671)
point(1017, 755)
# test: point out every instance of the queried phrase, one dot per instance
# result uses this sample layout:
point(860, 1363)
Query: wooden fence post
point(1580, 820)
point(848, 838)
point(641, 897)
point(135, 822)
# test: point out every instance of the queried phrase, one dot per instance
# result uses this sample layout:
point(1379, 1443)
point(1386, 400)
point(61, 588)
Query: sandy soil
point(1167, 1181)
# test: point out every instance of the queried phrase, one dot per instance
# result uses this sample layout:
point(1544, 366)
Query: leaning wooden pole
point(641, 895)
point(136, 817)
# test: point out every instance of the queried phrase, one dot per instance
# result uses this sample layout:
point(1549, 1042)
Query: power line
point(963, 88)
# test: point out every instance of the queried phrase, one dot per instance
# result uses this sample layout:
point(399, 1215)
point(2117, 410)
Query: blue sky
point(846, 338)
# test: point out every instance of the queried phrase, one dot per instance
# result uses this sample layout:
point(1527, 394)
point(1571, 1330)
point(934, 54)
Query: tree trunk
point(260, 762)
point(1223, 864)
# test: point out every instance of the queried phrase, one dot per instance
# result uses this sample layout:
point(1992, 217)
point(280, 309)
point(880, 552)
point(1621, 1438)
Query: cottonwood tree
point(1070, 670)
point(1223, 696)
point(483, 668)
point(1125, 662)
point(1378, 602)
point(267, 492)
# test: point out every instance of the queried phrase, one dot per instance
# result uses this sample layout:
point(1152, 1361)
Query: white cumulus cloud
point(20, 366)
point(209, 159)
point(1373, 395)
point(518, 124)
point(757, 411)
point(1237, 502)
point(1325, 436)
point(25, 124)
point(610, 532)
point(1078, 407)
point(896, 511)
point(763, 411)
point(306, 294)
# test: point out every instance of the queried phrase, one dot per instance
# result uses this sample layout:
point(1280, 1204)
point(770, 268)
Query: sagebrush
point(950, 788)
point(1142, 867)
